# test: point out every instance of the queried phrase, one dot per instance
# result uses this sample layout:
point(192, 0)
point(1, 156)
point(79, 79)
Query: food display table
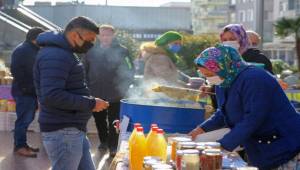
point(231, 160)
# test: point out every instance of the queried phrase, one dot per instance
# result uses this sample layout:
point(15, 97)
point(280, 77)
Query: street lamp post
point(260, 20)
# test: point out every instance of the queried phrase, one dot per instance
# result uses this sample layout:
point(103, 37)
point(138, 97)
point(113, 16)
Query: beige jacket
point(158, 66)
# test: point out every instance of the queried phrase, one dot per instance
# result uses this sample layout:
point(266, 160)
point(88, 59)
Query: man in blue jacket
point(66, 103)
point(23, 91)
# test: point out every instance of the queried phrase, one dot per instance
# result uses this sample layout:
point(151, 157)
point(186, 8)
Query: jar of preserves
point(179, 155)
point(174, 144)
point(211, 159)
point(190, 160)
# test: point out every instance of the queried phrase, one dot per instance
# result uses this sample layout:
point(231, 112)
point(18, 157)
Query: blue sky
point(117, 2)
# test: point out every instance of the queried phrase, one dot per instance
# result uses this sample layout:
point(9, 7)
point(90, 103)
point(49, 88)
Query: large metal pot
point(181, 117)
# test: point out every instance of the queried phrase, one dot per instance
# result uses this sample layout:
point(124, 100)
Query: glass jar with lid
point(178, 161)
point(211, 159)
point(190, 160)
point(174, 143)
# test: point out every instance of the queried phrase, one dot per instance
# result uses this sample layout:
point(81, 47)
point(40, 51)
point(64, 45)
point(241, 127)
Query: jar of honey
point(190, 160)
point(175, 141)
point(178, 161)
point(211, 159)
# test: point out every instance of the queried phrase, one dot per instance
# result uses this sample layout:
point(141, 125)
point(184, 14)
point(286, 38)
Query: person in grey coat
point(110, 72)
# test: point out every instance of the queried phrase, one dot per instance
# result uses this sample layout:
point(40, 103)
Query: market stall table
point(231, 160)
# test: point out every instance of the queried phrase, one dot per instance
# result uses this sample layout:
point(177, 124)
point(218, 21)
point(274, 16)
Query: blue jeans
point(68, 149)
point(25, 108)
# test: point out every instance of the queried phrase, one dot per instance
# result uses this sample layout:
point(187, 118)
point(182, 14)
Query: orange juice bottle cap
point(160, 131)
point(154, 129)
point(140, 129)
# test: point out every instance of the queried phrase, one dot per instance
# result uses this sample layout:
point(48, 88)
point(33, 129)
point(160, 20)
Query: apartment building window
point(282, 6)
point(242, 15)
point(291, 4)
point(267, 15)
point(250, 15)
point(137, 35)
point(232, 17)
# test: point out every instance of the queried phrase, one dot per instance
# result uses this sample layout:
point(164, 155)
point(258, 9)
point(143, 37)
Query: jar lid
point(212, 151)
point(201, 144)
point(213, 144)
point(152, 158)
point(187, 144)
point(200, 147)
point(151, 162)
point(162, 166)
point(182, 139)
point(191, 152)
point(179, 152)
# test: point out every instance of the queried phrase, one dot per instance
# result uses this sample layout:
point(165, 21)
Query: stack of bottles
point(154, 145)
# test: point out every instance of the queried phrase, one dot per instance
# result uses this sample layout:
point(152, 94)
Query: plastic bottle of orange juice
point(150, 132)
point(150, 141)
point(138, 150)
point(136, 125)
point(162, 145)
point(157, 145)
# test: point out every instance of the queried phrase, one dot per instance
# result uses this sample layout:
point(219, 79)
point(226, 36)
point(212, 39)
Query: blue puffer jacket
point(22, 61)
point(61, 88)
point(260, 117)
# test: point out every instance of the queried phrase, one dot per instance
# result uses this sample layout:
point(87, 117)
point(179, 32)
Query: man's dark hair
point(33, 33)
point(82, 23)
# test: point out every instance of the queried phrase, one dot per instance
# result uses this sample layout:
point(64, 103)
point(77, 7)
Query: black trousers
point(106, 130)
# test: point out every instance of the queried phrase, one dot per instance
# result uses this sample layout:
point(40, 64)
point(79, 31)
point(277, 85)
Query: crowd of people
point(84, 71)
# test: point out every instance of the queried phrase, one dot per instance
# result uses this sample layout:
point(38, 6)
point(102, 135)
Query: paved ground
point(10, 161)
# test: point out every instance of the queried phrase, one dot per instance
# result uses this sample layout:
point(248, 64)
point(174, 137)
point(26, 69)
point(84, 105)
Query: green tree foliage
point(289, 26)
point(279, 66)
point(129, 42)
point(193, 45)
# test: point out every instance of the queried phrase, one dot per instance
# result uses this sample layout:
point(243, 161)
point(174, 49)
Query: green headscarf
point(168, 37)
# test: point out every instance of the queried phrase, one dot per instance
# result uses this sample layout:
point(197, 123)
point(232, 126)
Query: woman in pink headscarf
point(234, 35)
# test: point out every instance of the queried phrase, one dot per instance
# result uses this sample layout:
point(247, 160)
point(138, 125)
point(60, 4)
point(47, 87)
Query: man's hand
point(197, 131)
point(205, 90)
point(100, 105)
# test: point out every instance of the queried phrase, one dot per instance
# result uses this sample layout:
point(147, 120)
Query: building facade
point(144, 23)
point(209, 16)
point(284, 48)
point(273, 46)
point(246, 14)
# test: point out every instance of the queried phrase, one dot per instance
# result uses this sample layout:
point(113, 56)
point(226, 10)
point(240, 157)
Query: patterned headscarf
point(239, 33)
point(225, 61)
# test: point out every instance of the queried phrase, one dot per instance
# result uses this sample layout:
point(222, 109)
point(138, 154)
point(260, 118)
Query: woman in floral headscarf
point(255, 109)
point(235, 36)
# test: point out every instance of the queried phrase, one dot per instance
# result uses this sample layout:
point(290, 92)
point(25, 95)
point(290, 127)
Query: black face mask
point(84, 48)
